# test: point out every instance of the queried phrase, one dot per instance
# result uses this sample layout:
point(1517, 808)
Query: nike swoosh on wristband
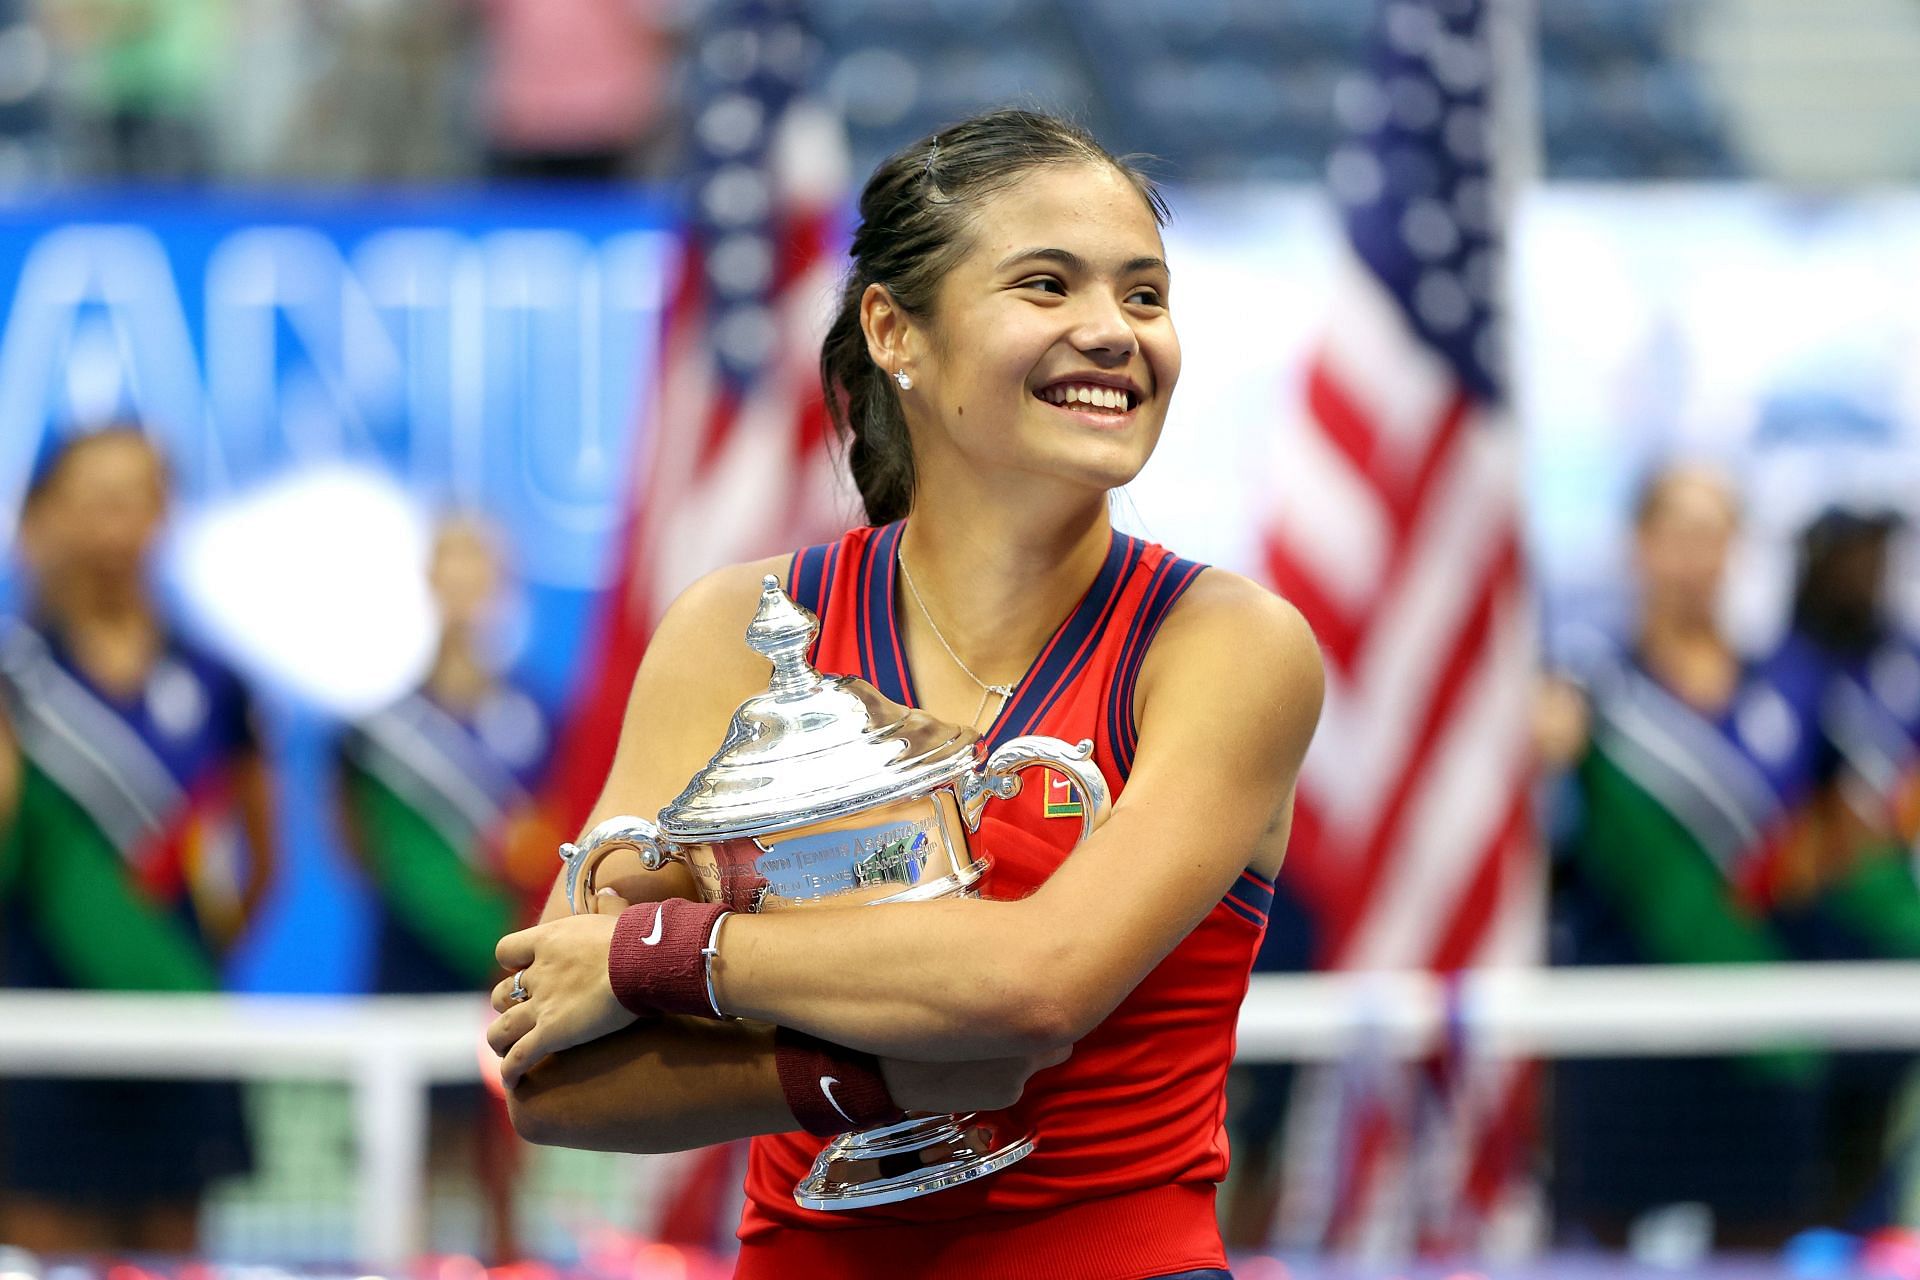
point(826, 1087)
point(653, 939)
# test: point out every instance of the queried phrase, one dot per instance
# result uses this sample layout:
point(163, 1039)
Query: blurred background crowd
point(245, 91)
point(332, 465)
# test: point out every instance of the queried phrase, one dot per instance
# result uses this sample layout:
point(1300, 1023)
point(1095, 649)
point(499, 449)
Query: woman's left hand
point(562, 966)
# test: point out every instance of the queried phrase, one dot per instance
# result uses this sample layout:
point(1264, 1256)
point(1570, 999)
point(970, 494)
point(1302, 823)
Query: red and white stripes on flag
point(736, 464)
point(1395, 528)
point(725, 475)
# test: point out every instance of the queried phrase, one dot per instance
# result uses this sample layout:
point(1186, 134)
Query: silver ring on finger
point(519, 992)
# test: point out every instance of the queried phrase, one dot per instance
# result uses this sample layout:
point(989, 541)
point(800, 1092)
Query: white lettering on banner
point(507, 369)
point(75, 285)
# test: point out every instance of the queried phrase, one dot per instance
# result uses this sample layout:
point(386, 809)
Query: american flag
point(1395, 529)
point(735, 462)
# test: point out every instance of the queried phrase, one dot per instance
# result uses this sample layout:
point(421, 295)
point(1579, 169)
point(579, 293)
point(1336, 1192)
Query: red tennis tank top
point(1130, 1135)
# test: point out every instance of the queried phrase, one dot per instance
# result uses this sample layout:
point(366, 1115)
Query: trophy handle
point(624, 832)
point(1000, 777)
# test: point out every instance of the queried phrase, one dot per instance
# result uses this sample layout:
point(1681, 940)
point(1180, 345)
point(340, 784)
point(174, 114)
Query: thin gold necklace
point(986, 690)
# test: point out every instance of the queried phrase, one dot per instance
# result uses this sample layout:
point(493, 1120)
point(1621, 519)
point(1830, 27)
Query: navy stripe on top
point(882, 654)
point(1250, 898)
point(1060, 661)
point(1245, 912)
point(1068, 653)
point(807, 577)
point(810, 581)
point(1170, 582)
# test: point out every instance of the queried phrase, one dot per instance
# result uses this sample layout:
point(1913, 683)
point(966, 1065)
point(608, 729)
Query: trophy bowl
point(826, 791)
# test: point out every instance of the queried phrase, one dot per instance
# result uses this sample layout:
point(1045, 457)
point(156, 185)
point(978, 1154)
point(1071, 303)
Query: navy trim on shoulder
point(810, 583)
point(882, 653)
point(1251, 898)
point(807, 576)
point(1170, 582)
point(862, 615)
point(1068, 652)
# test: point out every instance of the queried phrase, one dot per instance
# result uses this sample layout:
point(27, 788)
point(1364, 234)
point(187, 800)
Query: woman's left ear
point(885, 326)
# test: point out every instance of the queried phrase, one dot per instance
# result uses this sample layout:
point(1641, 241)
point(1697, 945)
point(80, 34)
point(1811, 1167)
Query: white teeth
point(1083, 393)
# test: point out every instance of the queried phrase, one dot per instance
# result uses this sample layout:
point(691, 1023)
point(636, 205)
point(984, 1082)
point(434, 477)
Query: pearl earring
point(901, 376)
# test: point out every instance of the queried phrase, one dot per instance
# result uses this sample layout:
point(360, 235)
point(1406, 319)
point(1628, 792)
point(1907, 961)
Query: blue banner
point(484, 351)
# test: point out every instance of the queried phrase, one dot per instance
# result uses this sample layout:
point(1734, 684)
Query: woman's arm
point(679, 1083)
point(669, 1085)
point(676, 1083)
point(696, 672)
point(1230, 695)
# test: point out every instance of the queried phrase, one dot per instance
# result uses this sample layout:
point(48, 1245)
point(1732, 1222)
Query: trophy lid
point(811, 747)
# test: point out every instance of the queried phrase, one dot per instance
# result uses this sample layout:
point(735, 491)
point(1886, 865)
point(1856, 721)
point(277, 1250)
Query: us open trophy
point(826, 791)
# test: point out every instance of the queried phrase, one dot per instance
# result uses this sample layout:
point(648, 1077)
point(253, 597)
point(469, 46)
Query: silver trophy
point(825, 790)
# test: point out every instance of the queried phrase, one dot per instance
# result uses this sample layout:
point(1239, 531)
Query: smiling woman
point(1002, 359)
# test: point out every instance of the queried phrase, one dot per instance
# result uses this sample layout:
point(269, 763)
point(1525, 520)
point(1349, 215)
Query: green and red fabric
point(123, 817)
point(1871, 717)
point(1696, 823)
point(1696, 826)
point(125, 811)
point(427, 793)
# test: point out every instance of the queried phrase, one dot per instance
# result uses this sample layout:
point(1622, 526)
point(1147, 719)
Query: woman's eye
point(1045, 282)
point(1146, 297)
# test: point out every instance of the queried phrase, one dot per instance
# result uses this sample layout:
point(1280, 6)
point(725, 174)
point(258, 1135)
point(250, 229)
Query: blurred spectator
point(138, 80)
point(577, 89)
point(131, 765)
point(1869, 905)
point(436, 798)
point(1870, 720)
point(1697, 787)
point(386, 102)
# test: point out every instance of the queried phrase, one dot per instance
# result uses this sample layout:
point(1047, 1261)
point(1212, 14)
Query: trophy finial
point(781, 632)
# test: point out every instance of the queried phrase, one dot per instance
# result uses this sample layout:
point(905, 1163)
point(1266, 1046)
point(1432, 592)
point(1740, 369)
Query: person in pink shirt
point(575, 89)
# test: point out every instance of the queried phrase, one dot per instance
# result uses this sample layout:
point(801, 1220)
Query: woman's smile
point(1097, 400)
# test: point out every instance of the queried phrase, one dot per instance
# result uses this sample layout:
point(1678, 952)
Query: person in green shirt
point(134, 850)
point(438, 801)
point(1695, 778)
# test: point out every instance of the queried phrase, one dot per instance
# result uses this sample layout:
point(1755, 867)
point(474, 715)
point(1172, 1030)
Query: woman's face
point(102, 511)
point(464, 574)
point(1683, 544)
point(1051, 350)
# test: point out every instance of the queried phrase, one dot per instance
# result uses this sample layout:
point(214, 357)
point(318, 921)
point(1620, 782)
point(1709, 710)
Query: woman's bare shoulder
point(705, 627)
point(696, 670)
point(1226, 609)
point(1235, 630)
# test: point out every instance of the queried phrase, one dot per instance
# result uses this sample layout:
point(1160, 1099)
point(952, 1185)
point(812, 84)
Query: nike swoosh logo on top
point(826, 1087)
point(653, 938)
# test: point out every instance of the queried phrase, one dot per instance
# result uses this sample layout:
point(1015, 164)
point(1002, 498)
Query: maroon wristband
point(831, 1089)
point(658, 960)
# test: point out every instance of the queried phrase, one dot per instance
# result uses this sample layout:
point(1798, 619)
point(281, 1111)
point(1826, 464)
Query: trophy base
point(915, 1157)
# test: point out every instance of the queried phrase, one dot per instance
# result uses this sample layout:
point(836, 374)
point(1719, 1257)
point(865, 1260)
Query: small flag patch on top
point(1062, 798)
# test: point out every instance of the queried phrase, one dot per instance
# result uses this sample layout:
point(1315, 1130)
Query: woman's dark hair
point(913, 228)
point(1839, 579)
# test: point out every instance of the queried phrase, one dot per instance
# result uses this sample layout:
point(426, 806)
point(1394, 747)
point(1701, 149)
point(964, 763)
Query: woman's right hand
point(992, 1085)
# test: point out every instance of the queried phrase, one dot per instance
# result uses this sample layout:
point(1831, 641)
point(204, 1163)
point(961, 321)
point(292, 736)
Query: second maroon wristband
point(657, 962)
point(829, 1088)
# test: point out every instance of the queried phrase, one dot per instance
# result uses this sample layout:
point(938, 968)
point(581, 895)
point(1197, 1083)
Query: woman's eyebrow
point(1074, 262)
